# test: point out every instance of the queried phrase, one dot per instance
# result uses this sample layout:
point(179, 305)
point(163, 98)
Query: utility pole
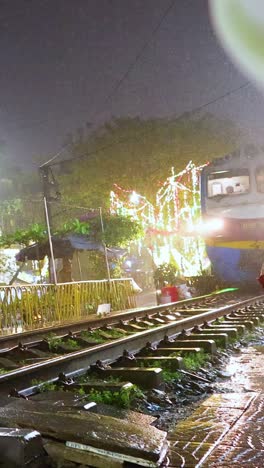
point(46, 188)
point(47, 185)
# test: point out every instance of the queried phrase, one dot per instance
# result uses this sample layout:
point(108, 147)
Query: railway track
point(132, 344)
point(193, 305)
point(72, 348)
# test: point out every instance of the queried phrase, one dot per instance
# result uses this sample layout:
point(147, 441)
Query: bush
point(165, 274)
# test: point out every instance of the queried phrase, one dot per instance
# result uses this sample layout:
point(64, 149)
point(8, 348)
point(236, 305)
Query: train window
point(260, 179)
point(217, 188)
point(228, 182)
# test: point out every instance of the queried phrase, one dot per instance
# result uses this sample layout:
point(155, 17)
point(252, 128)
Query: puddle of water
point(246, 371)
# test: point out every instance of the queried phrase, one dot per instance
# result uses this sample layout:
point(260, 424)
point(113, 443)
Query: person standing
point(261, 276)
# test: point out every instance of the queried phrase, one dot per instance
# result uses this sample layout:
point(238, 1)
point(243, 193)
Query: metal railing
point(34, 306)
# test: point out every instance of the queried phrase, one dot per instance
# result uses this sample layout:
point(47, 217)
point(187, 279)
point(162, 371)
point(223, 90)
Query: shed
point(65, 246)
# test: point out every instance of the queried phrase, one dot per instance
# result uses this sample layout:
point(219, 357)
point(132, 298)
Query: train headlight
point(209, 227)
point(215, 224)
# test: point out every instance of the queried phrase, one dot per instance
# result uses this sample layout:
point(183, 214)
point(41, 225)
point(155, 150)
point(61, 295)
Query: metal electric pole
point(44, 177)
point(48, 186)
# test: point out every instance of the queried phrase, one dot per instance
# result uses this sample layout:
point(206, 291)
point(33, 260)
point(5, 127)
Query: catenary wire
point(124, 140)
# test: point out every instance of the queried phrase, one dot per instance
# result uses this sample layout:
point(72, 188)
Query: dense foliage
point(35, 233)
point(165, 274)
point(134, 153)
point(137, 155)
point(119, 231)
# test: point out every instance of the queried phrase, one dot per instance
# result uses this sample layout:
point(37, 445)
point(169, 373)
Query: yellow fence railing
point(41, 305)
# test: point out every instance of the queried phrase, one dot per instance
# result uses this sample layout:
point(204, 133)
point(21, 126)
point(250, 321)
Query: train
point(232, 208)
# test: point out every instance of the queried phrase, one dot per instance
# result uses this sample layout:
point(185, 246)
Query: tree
point(20, 201)
point(137, 154)
point(119, 231)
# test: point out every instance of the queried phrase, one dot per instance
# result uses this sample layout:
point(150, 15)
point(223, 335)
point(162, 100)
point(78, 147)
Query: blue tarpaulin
point(65, 246)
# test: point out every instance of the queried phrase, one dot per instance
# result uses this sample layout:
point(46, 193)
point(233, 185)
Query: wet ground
point(147, 299)
point(245, 370)
point(226, 429)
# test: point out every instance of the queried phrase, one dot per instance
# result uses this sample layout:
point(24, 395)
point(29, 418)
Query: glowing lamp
point(210, 226)
point(215, 224)
point(134, 198)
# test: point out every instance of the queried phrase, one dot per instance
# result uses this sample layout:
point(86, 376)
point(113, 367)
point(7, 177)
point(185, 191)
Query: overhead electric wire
point(43, 121)
point(140, 53)
point(117, 87)
point(124, 140)
point(46, 163)
point(122, 78)
point(128, 70)
point(235, 90)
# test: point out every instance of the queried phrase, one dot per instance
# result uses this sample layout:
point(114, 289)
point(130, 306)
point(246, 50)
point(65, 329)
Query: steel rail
point(25, 337)
point(79, 361)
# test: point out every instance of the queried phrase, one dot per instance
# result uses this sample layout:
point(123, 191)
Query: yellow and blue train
point(232, 204)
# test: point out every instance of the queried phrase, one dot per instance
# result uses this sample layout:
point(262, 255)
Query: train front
point(232, 202)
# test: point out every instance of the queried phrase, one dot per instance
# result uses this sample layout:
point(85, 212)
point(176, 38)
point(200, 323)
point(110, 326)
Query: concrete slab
point(207, 345)
point(86, 431)
point(59, 453)
point(145, 377)
point(221, 339)
point(236, 320)
point(255, 319)
point(231, 332)
point(18, 447)
point(239, 327)
point(182, 351)
point(173, 363)
point(133, 417)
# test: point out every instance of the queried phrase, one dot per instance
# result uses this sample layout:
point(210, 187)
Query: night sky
point(62, 59)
